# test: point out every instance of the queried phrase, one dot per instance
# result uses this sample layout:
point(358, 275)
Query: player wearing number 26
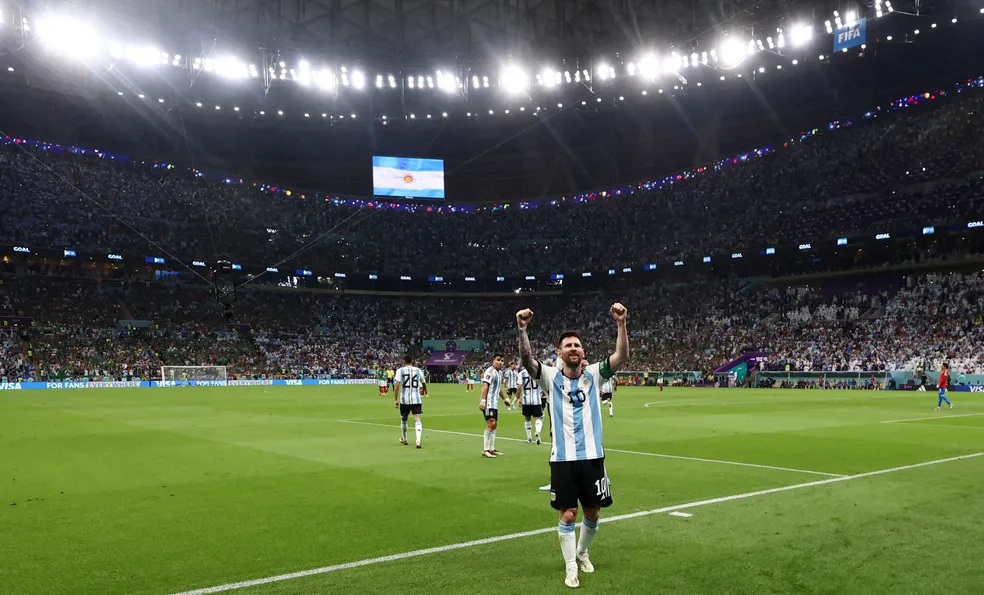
point(410, 387)
point(577, 457)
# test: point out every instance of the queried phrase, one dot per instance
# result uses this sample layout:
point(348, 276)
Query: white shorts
point(659, 381)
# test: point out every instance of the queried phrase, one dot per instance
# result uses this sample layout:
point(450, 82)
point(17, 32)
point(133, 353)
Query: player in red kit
point(942, 385)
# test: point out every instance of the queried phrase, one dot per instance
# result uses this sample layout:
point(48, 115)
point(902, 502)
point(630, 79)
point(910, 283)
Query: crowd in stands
point(898, 170)
point(902, 323)
point(901, 169)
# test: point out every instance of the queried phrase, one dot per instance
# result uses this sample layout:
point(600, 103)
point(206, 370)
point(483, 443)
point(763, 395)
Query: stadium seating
point(884, 173)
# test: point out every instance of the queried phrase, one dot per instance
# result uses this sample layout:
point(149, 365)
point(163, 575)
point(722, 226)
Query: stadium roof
point(467, 30)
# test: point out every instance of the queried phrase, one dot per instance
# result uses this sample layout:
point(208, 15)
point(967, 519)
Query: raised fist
point(618, 312)
point(523, 318)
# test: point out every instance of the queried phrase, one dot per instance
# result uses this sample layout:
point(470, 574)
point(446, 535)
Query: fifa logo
point(852, 33)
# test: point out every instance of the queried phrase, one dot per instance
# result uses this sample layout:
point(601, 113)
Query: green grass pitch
point(163, 491)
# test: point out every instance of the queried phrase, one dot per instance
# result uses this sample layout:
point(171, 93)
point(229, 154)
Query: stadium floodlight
point(358, 79)
point(800, 34)
point(392, 80)
point(379, 81)
point(324, 79)
point(826, 25)
point(850, 18)
point(630, 68)
point(446, 81)
point(649, 67)
point(548, 78)
point(76, 39)
point(731, 52)
point(230, 67)
point(514, 79)
point(601, 72)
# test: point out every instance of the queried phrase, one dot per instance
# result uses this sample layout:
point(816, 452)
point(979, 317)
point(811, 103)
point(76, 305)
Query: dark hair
point(408, 359)
point(499, 355)
point(945, 365)
point(566, 335)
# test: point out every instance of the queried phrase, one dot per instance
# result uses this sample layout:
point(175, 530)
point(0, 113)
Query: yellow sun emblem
point(408, 178)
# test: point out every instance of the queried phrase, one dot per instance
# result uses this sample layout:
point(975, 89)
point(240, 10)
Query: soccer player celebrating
point(489, 405)
point(577, 458)
point(942, 385)
point(410, 386)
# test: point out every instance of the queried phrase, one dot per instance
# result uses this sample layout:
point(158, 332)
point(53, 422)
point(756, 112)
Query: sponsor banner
point(173, 383)
point(447, 358)
point(453, 344)
point(850, 36)
point(752, 360)
point(969, 388)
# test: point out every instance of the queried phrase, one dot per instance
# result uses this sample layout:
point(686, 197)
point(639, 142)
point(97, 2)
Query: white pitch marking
point(628, 452)
point(919, 423)
point(720, 462)
point(656, 403)
point(685, 515)
point(939, 415)
point(511, 536)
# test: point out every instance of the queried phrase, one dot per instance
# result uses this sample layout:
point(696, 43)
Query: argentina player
point(577, 458)
point(410, 386)
point(489, 405)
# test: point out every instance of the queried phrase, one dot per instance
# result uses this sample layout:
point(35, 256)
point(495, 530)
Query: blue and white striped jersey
point(512, 378)
point(411, 379)
point(531, 390)
point(575, 411)
point(493, 378)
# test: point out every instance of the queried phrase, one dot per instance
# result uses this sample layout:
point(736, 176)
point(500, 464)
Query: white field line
point(685, 515)
point(938, 416)
point(812, 398)
point(628, 452)
point(932, 425)
point(511, 536)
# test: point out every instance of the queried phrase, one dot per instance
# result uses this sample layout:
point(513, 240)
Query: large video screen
point(403, 177)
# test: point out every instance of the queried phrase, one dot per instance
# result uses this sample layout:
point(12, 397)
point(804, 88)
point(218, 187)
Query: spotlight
point(801, 34)
point(358, 79)
point(514, 79)
point(731, 52)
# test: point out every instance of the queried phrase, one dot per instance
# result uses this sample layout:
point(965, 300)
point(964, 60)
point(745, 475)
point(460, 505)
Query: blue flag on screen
point(405, 177)
point(850, 36)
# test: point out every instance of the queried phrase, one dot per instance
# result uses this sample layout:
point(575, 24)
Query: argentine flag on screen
point(401, 176)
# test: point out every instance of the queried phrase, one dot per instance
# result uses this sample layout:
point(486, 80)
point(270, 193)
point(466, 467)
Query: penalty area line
point(499, 538)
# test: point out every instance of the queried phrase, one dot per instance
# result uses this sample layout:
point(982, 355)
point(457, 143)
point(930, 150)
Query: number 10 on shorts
point(604, 487)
